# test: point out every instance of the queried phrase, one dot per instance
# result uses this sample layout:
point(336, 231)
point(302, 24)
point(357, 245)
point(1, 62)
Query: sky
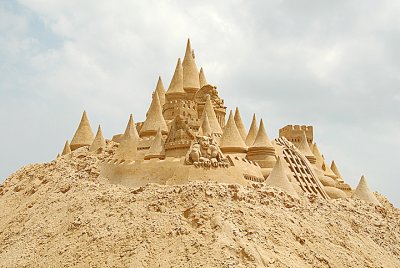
point(331, 64)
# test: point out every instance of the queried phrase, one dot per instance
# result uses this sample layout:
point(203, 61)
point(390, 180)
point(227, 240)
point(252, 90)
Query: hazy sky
point(331, 64)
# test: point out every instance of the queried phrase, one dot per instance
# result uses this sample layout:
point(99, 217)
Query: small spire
point(364, 193)
point(202, 78)
point(176, 85)
point(335, 170)
point(190, 71)
point(83, 135)
point(154, 119)
point(98, 141)
point(279, 179)
point(304, 148)
point(251, 136)
point(209, 110)
point(157, 148)
point(231, 141)
point(131, 127)
point(66, 149)
point(239, 124)
point(319, 159)
point(160, 91)
point(262, 140)
point(205, 127)
point(127, 149)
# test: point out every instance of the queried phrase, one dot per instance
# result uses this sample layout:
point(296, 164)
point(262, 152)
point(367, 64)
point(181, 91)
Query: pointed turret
point(335, 170)
point(157, 148)
point(190, 72)
point(231, 141)
point(131, 127)
point(327, 170)
point(176, 85)
point(364, 193)
point(251, 136)
point(212, 118)
point(318, 156)
point(66, 149)
point(98, 141)
point(160, 91)
point(262, 139)
point(127, 148)
point(278, 179)
point(304, 148)
point(83, 135)
point(202, 78)
point(205, 129)
point(154, 119)
point(240, 125)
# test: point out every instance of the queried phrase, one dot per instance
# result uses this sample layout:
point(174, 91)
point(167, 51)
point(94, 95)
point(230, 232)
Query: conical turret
point(127, 148)
point(176, 85)
point(279, 179)
point(157, 148)
point(240, 125)
point(262, 139)
point(251, 136)
point(202, 78)
point(231, 141)
point(327, 170)
point(364, 193)
point(131, 127)
point(318, 156)
point(83, 135)
point(209, 110)
point(205, 129)
point(190, 72)
point(335, 170)
point(305, 149)
point(154, 119)
point(98, 141)
point(66, 149)
point(160, 91)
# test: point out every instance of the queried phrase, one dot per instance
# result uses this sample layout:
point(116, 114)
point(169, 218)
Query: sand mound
point(63, 214)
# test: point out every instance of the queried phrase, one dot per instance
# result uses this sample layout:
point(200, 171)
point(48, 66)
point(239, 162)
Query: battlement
point(294, 133)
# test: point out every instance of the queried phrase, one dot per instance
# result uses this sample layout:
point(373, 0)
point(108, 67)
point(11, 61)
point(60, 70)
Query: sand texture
point(63, 214)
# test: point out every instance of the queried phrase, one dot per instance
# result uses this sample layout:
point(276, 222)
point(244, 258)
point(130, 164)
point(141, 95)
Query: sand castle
point(186, 137)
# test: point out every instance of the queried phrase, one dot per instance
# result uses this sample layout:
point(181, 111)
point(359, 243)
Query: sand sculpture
point(185, 137)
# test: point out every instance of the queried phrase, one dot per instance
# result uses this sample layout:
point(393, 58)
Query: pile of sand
point(63, 214)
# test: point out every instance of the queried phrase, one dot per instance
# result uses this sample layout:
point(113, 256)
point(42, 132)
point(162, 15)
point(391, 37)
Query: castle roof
point(202, 78)
point(66, 149)
point(335, 170)
point(278, 179)
point(364, 193)
point(209, 110)
point(160, 91)
point(304, 148)
point(327, 170)
point(205, 126)
point(190, 71)
point(262, 140)
point(239, 124)
point(83, 135)
point(157, 148)
point(318, 156)
point(154, 119)
point(131, 127)
point(127, 148)
point(98, 141)
point(176, 85)
point(231, 141)
point(251, 136)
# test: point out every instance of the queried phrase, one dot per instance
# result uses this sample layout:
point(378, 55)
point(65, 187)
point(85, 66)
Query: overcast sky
point(331, 64)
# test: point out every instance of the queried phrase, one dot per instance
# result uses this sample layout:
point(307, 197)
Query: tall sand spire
point(205, 126)
point(231, 141)
point(66, 149)
point(335, 170)
point(176, 85)
point(251, 136)
point(202, 78)
point(84, 135)
point(190, 72)
point(318, 156)
point(127, 149)
point(154, 119)
point(262, 140)
point(209, 110)
point(364, 193)
point(278, 179)
point(305, 149)
point(240, 125)
point(98, 141)
point(157, 148)
point(131, 127)
point(160, 91)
